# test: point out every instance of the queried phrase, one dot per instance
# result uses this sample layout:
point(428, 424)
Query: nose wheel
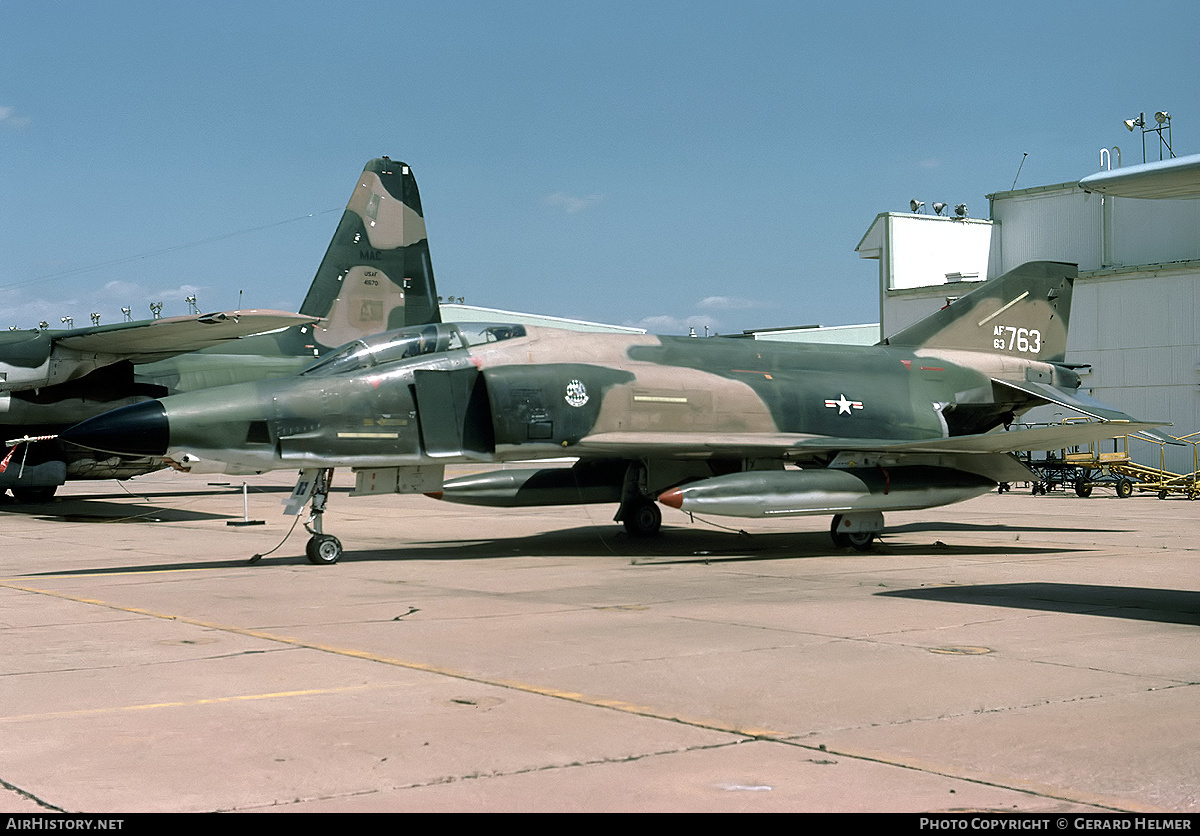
point(322, 548)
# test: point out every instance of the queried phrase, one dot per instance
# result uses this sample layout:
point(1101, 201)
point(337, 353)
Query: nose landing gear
point(314, 485)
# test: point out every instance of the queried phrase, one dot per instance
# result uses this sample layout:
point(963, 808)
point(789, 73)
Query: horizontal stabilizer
point(1084, 404)
point(156, 339)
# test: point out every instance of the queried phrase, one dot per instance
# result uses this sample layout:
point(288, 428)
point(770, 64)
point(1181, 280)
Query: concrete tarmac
point(1012, 653)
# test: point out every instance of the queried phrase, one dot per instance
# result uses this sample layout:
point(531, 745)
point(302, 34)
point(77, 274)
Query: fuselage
point(450, 393)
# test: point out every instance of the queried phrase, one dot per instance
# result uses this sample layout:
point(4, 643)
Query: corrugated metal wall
point(1136, 306)
point(1065, 223)
point(1058, 223)
point(1138, 330)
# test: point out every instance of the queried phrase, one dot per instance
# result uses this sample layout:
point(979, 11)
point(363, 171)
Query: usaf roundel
point(576, 393)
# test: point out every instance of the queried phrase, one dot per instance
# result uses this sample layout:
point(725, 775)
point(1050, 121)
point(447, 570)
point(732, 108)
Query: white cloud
point(729, 303)
point(23, 310)
point(570, 203)
point(672, 325)
point(9, 116)
point(126, 290)
point(178, 292)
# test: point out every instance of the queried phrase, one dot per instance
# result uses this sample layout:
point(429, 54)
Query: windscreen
point(407, 343)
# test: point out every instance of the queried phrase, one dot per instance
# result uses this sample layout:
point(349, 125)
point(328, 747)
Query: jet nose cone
point(137, 430)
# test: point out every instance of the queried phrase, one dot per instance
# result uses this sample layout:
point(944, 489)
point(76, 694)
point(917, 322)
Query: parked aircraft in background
point(710, 426)
point(376, 275)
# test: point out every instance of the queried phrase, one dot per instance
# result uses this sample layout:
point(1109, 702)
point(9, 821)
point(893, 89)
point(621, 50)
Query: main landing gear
point(856, 530)
point(638, 512)
point(322, 548)
point(642, 517)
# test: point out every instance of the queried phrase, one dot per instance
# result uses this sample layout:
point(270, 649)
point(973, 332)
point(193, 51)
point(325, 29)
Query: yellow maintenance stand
point(1090, 466)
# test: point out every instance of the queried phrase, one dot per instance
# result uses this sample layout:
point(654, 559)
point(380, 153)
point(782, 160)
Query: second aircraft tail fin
point(376, 274)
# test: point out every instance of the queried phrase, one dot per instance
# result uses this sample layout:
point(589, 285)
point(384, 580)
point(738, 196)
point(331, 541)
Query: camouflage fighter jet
point(376, 275)
point(710, 426)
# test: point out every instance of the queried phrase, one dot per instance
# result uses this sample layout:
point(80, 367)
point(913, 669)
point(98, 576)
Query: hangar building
point(1135, 234)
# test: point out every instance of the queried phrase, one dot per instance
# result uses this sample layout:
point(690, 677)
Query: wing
point(156, 339)
point(796, 445)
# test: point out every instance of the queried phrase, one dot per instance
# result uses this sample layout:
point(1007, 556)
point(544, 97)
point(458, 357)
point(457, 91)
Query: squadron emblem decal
point(576, 393)
point(843, 405)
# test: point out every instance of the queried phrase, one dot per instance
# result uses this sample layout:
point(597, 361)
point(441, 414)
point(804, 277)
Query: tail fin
point(376, 274)
point(1026, 313)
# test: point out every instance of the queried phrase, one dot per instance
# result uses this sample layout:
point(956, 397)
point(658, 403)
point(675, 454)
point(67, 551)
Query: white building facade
point(1136, 303)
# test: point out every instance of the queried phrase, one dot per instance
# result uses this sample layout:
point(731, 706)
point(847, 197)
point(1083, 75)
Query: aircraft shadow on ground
point(674, 546)
point(997, 528)
point(107, 512)
point(115, 498)
point(110, 508)
point(167, 494)
point(1169, 606)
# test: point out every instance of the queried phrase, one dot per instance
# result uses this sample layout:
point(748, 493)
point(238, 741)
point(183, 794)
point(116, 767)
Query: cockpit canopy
point(406, 343)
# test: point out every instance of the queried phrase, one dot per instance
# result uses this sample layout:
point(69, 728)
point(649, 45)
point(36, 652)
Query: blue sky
point(664, 164)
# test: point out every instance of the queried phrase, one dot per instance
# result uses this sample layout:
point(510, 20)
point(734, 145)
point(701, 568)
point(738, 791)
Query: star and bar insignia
point(843, 405)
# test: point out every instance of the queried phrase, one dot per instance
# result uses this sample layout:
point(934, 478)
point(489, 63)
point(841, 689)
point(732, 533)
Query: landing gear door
point(302, 493)
point(453, 412)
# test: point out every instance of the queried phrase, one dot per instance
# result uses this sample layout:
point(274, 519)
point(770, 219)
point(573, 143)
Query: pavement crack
point(999, 709)
point(26, 794)
point(499, 773)
point(860, 756)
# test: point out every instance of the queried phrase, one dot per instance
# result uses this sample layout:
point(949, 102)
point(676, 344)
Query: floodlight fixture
point(938, 208)
point(961, 210)
point(915, 206)
point(1163, 118)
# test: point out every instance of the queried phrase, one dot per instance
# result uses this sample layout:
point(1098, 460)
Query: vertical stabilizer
point(1025, 313)
point(376, 274)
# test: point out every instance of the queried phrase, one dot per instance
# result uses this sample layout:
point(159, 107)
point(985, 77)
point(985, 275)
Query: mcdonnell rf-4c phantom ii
point(375, 275)
point(710, 426)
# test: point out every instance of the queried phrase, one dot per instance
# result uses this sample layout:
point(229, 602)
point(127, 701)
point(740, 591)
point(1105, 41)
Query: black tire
point(34, 496)
point(1124, 489)
point(840, 539)
point(1082, 489)
point(323, 549)
point(861, 540)
point(643, 519)
point(1162, 494)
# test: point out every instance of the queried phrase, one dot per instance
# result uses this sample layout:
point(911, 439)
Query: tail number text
point(1007, 338)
